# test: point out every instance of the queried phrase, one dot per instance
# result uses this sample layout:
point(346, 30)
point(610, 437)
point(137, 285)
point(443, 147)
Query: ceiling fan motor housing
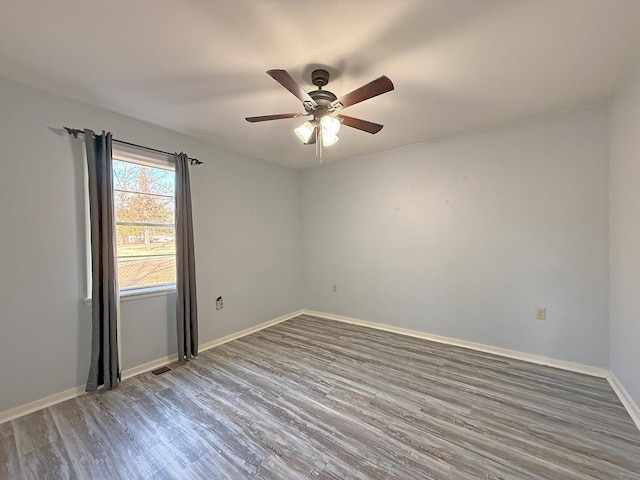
point(323, 98)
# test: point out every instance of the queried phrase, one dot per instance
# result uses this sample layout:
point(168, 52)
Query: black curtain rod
point(75, 132)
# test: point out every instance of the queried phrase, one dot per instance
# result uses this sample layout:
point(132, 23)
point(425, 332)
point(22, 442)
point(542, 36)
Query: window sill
point(129, 295)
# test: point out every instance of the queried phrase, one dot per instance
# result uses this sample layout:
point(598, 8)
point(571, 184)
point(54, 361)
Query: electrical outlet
point(335, 289)
point(541, 313)
point(219, 303)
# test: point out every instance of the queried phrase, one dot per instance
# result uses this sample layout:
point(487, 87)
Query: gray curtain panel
point(186, 304)
point(105, 366)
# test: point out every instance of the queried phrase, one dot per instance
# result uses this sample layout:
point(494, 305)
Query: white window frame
point(141, 157)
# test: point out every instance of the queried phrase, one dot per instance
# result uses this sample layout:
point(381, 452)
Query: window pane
point(143, 241)
point(143, 208)
point(141, 178)
point(146, 256)
point(146, 271)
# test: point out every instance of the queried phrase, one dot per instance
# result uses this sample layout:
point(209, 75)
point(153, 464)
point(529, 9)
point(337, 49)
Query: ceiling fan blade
point(312, 138)
point(372, 89)
point(363, 125)
point(278, 116)
point(284, 79)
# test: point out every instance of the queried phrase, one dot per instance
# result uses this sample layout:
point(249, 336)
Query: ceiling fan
point(324, 107)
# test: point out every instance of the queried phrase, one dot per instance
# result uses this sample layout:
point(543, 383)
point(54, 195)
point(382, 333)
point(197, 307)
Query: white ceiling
point(198, 67)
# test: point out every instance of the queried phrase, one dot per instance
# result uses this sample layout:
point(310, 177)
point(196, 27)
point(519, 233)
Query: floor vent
point(161, 370)
point(168, 368)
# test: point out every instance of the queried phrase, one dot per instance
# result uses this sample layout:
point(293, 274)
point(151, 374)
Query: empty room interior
point(267, 239)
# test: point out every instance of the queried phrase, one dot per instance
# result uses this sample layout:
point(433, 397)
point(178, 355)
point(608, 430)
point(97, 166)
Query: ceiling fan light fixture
point(330, 125)
point(304, 131)
point(329, 139)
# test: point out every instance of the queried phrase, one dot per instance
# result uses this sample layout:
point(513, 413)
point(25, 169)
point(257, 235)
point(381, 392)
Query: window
point(144, 205)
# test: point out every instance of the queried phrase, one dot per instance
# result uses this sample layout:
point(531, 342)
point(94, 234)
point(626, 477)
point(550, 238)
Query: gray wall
point(247, 232)
point(624, 140)
point(465, 237)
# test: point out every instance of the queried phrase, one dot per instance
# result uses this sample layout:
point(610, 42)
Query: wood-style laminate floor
point(312, 398)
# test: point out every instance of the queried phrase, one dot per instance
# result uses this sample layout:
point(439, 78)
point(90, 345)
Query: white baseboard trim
point(45, 402)
point(36, 405)
point(625, 398)
point(249, 331)
point(147, 367)
point(503, 352)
